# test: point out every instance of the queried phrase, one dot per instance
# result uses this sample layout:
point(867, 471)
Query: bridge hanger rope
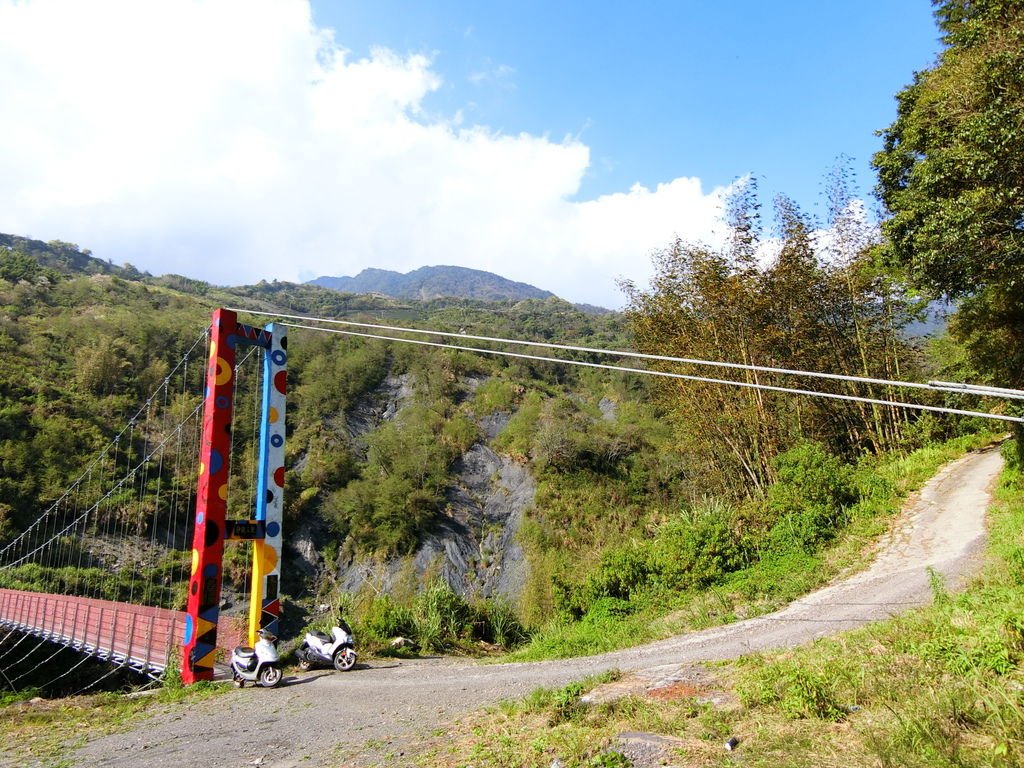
point(182, 504)
point(92, 539)
point(130, 475)
point(43, 545)
point(104, 452)
point(148, 593)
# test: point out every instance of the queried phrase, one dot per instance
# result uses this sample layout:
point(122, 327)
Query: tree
point(951, 174)
point(797, 310)
point(16, 265)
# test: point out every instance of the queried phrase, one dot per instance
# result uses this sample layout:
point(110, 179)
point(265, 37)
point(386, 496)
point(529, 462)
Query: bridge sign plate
point(244, 530)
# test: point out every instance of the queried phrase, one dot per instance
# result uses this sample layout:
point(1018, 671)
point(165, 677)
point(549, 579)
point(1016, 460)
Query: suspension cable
point(113, 442)
point(671, 375)
point(103, 454)
point(930, 386)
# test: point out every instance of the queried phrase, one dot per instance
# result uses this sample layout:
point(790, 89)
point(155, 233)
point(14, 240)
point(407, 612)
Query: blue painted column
point(265, 603)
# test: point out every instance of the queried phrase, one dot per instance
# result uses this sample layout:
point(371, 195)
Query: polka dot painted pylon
point(200, 636)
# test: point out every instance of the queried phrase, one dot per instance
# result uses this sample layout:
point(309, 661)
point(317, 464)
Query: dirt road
point(326, 718)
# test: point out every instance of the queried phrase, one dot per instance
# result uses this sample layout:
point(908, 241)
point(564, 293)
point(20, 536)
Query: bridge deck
point(142, 637)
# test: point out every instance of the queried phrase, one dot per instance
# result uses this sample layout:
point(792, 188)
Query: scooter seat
point(323, 638)
point(244, 651)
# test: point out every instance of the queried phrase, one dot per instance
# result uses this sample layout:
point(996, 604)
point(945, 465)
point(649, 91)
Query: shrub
point(566, 704)
point(690, 551)
point(697, 551)
point(385, 619)
point(1011, 452)
point(496, 395)
point(622, 574)
point(495, 621)
point(810, 501)
point(441, 616)
point(606, 608)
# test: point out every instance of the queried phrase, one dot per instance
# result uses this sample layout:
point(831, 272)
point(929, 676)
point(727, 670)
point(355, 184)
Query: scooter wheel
point(239, 682)
point(344, 659)
point(270, 676)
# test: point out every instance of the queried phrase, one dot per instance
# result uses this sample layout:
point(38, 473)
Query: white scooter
point(320, 649)
point(258, 665)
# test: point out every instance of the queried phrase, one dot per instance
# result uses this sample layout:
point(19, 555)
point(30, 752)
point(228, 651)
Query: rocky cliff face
point(474, 545)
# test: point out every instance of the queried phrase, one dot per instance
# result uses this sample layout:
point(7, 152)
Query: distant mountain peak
point(435, 282)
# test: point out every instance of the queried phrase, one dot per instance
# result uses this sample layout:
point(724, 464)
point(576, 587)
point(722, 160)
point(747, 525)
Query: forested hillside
point(551, 492)
point(83, 349)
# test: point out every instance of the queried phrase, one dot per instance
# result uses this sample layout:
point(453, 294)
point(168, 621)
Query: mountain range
point(428, 283)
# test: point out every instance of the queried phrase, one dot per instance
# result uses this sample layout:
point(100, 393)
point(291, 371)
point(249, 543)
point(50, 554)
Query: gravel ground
point(381, 712)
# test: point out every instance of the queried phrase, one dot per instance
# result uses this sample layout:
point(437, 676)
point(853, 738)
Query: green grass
point(47, 731)
point(939, 686)
point(560, 727)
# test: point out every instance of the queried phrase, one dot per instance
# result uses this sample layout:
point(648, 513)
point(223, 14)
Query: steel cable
point(671, 375)
point(109, 493)
point(26, 673)
point(24, 636)
point(99, 680)
point(85, 658)
point(931, 386)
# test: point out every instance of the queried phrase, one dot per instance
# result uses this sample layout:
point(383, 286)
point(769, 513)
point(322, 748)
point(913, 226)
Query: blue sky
point(660, 90)
point(554, 143)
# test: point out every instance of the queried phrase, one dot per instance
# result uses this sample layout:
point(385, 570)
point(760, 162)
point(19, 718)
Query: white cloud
point(492, 73)
point(234, 141)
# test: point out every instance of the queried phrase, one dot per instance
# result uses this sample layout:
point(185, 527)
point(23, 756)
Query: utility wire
point(668, 374)
point(931, 386)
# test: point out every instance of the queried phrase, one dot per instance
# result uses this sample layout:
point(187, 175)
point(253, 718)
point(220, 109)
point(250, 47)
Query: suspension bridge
point(129, 565)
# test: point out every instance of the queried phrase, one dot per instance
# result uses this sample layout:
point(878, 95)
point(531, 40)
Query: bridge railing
point(141, 637)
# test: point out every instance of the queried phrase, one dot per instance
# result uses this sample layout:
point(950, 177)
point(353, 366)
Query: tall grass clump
point(441, 616)
point(436, 619)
